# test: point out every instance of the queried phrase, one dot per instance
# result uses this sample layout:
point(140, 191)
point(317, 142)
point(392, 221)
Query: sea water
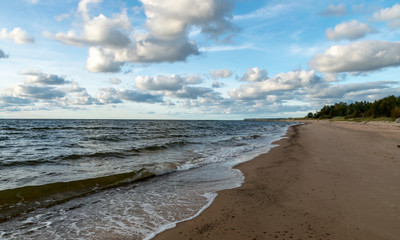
point(118, 179)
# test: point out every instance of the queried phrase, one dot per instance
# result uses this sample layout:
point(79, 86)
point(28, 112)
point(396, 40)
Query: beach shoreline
point(325, 180)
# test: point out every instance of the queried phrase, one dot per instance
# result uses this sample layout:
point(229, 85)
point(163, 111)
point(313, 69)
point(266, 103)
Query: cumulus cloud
point(372, 94)
point(255, 75)
point(278, 84)
point(351, 30)
point(115, 80)
point(81, 98)
point(12, 102)
point(83, 7)
point(169, 83)
point(135, 96)
point(108, 96)
point(390, 15)
point(189, 92)
point(37, 77)
point(170, 19)
point(3, 54)
point(18, 35)
point(37, 92)
point(114, 96)
point(100, 30)
point(358, 57)
point(176, 86)
point(211, 102)
point(334, 10)
point(216, 84)
point(44, 90)
point(53, 91)
point(102, 60)
point(113, 42)
point(221, 73)
point(340, 91)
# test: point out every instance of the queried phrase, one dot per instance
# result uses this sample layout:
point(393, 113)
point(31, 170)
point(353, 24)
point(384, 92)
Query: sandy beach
point(326, 180)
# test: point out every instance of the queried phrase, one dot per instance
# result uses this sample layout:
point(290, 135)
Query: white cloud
point(37, 77)
point(175, 86)
point(81, 98)
point(114, 96)
point(255, 75)
point(335, 10)
point(332, 76)
point(102, 60)
point(18, 35)
point(351, 30)
point(340, 91)
point(108, 96)
point(187, 92)
point(276, 85)
point(168, 83)
point(37, 92)
point(113, 42)
point(115, 80)
point(372, 94)
point(74, 87)
point(171, 19)
point(100, 30)
point(10, 103)
point(3, 54)
point(390, 15)
point(83, 7)
point(216, 84)
point(135, 96)
point(221, 73)
point(358, 57)
point(209, 102)
point(44, 90)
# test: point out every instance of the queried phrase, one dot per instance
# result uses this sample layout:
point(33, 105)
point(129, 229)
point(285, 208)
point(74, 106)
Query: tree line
point(385, 107)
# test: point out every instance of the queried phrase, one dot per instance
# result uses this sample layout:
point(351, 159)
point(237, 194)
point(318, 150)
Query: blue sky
point(194, 59)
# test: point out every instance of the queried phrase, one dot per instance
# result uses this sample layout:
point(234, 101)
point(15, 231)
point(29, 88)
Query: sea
point(118, 179)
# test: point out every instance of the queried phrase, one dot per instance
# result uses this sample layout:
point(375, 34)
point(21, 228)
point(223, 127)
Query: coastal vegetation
point(388, 107)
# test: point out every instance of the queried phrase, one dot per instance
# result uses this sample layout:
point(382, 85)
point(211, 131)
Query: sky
point(194, 59)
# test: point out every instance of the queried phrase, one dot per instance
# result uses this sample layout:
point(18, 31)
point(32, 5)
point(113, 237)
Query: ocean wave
point(104, 138)
point(125, 153)
point(3, 138)
point(97, 155)
point(12, 129)
point(23, 163)
point(14, 202)
point(52, 128)
point(118, 154)
point(87, 128)
point(162, 146)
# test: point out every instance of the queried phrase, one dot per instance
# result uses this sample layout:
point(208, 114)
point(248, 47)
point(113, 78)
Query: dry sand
point(327, 180)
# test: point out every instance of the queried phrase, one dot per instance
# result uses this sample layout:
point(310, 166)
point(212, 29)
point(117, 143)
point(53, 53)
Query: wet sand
point(327, 180)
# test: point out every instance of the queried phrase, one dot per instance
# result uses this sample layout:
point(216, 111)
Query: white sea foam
point(210, 196)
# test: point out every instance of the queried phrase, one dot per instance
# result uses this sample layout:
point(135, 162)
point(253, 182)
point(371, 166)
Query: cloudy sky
point(194, 59)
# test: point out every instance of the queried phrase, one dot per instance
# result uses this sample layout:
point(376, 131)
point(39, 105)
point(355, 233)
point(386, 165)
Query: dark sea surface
point(125, 179)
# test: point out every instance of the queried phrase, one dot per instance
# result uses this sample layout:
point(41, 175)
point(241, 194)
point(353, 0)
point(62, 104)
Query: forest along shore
point(327, 180)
